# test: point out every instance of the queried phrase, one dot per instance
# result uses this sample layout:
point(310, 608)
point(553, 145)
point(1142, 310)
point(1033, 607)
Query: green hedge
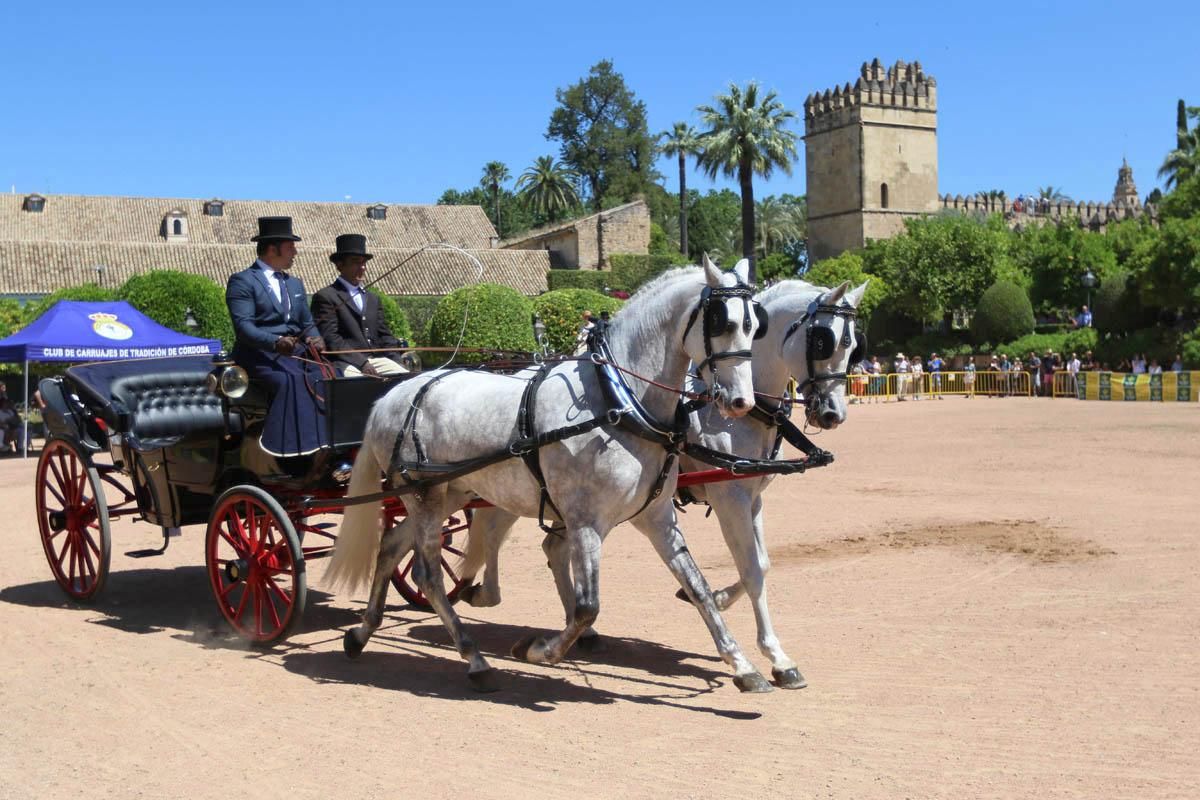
point(630, 271)
point(1189, 346)
point(397, 320)
point(165, 296)
point(497, 317)
point(562, 312)
point(578, 279)
point(1156, 342)
point(1079, 340)
point(418, 309)
point(1003, 313)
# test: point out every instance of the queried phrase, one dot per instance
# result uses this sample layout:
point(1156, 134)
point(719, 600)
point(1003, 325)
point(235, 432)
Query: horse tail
point(352, 564)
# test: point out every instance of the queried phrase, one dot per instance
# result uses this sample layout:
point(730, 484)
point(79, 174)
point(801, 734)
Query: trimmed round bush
point(1004, 313)
point(165, 296)
point(1116, 307)
point(497, 317)
point(562, 312)
point(395, 316)
point(1189, 346)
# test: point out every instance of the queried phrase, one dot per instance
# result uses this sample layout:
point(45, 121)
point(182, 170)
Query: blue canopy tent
point(73, 330)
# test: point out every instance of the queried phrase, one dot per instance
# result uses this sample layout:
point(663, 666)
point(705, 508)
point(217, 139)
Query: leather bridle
point(819, 344)
point(713, 314)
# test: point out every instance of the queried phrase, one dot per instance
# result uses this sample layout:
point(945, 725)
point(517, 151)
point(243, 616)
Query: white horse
point(811, 338)
point(594, 480)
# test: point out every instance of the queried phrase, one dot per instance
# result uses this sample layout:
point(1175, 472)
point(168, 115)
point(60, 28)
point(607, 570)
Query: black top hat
point(351, 244)
point(275, 229)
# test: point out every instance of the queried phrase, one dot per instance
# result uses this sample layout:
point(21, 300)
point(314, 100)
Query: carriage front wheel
point(255, 564)
point(455, 531)
point(73, 519)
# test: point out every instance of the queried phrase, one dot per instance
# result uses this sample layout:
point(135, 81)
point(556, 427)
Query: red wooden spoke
point(284, 597)
point(241, 603)
point(228, 588)
point(453, 550)
point(227, 536)
point(66, 546)
point(270, 604)
point(58, 475)
point(449, 570)
point(54, 492)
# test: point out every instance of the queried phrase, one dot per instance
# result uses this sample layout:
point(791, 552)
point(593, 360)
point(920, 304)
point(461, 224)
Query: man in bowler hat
point(350, 318)
point(276, 341)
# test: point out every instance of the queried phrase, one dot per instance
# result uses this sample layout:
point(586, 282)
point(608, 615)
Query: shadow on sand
point(179, 601)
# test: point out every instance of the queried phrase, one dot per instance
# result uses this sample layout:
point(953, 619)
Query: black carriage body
point(180, 444)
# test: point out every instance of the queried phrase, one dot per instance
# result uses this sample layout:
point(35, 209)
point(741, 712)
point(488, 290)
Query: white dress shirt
point(356, 293)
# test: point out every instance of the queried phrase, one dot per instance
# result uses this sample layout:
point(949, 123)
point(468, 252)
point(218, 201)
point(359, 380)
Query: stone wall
point(588, 242)
point(625, 229)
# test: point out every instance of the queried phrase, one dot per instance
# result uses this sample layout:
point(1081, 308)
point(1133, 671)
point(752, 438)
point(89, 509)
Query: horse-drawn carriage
point(174, 442)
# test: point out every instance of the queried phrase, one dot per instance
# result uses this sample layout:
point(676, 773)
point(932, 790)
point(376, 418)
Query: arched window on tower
point(177, 227)
point(883, 195)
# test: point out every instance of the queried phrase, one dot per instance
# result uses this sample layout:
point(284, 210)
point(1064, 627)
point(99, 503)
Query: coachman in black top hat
point(351, 319)
point(275, 331)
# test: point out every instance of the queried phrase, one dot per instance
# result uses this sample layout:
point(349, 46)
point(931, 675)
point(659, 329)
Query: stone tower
point(871, 156)
point(1126, 193)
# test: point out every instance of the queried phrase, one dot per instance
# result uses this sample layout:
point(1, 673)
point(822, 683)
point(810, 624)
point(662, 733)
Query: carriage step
point(168, 533)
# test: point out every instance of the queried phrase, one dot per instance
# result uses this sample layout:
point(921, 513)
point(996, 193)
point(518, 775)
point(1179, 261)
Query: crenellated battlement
point(1094, 215)
point(900, 86)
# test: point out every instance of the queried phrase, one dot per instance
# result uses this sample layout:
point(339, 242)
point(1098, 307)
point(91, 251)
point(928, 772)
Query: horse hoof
point(484, 681)
point(351, 644)
point(467, 595)
point(788, 678)
point(752, 683)
point(682, 595)
point(520, 650)
point(591, 644)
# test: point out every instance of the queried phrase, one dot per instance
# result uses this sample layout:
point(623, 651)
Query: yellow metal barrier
point(902, 386)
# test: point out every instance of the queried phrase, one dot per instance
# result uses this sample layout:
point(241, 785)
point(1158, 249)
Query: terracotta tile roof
point(100, 218)
point(42, 267)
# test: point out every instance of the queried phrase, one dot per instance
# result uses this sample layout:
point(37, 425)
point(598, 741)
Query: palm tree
point(494, 174)
point(548, 187)
point(747, 137)
point(682, 142)
point(776, 223)
point(1184, 161)
point(1051, 193)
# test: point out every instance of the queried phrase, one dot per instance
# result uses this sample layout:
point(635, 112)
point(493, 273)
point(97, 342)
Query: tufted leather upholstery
point(167, 406)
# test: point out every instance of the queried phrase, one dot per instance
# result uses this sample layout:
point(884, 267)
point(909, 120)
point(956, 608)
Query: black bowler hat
point(275, 229)
point(351, 244)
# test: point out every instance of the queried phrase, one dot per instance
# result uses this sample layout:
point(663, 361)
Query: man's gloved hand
point(285, 345)
point(369, 369)
point(316, 343)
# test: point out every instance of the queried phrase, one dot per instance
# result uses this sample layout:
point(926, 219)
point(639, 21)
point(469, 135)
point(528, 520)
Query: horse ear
point(712, 273)
point(742, 270)
point(855, 295)
point(834, 296)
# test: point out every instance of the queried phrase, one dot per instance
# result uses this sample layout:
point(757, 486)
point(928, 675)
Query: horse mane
point(788, 286)
point(642, 306)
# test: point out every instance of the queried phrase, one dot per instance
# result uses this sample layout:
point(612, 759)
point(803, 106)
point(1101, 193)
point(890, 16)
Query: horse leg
point(428, 512)
point(659, 525)
point(558, 559)
point(489, 530)
point(583, 544)
point(393, 546)
point(742, 525)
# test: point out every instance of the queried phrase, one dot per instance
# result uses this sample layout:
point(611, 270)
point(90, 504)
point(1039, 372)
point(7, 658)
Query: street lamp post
point(100, 270)
point(1089, 282)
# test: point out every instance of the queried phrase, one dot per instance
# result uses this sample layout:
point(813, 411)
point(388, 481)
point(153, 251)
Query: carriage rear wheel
point(455, 531)
point(73, 519)
point(255, 564)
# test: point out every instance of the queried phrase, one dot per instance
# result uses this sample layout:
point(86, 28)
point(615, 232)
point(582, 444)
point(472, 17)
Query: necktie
point(284, 299)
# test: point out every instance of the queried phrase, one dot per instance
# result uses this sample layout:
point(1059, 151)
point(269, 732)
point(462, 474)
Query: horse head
point(819, 348)
point(730, 321)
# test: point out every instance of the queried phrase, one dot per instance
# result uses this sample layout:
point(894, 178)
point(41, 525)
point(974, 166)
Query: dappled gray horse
point(594, 480)
point(811, 338)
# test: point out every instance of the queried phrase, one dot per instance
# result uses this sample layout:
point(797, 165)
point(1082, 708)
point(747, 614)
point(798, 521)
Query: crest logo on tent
point(107, 326)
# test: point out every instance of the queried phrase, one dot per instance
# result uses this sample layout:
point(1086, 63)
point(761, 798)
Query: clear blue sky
point(396, 102)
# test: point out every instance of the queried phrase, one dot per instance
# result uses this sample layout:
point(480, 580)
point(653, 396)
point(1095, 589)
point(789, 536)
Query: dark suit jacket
point(258, 318)
point(344, 328)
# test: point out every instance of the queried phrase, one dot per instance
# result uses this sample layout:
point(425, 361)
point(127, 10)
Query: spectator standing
point(1089, 362)
point(585, 330)
point(969, 377)
point(901, 377)
point(1084, 319)
point(1048, 367)
point(1155, 368)
point(935, 370)
point(877, 379)
point(917, 375)
point(1073, 367)
point(1005, 376)
point(1177, 364)
point(992, 384)
point(1034, 365)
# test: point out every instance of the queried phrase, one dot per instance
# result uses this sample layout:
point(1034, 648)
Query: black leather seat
point(167, 406)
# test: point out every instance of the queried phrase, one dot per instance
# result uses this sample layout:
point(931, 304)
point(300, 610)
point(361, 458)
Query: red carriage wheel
point(455, 531)
point(73, 519)
point(255, 564)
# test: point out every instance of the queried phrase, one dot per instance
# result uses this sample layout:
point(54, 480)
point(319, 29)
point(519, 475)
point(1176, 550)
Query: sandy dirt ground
point(989, 598)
